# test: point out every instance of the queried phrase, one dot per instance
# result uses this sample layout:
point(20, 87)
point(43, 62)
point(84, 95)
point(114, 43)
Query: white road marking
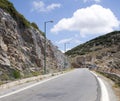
point(104, 92)
point(24, 88)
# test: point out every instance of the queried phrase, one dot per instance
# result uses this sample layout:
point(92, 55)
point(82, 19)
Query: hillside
point(22, 47)
point(102, 52)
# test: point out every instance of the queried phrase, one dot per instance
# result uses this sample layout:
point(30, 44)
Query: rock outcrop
point(22, 50)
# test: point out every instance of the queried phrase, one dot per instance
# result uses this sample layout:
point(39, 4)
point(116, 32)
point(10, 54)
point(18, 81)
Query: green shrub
point(36, 73)
point(16, 74)
point(4, 77)
point(34, 25)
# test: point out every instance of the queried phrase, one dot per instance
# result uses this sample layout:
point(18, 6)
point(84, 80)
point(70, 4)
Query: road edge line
point(30, 86)
point(104, 92)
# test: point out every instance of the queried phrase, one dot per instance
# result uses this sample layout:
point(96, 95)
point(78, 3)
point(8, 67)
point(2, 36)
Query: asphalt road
point(78, 85)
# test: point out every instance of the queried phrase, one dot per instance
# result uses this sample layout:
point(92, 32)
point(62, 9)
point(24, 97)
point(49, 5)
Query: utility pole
point(65, 45)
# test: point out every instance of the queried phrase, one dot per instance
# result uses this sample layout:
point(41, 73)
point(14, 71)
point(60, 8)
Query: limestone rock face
point(22, 49)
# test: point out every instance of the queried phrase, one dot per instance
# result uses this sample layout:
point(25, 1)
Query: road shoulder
point(114, 91)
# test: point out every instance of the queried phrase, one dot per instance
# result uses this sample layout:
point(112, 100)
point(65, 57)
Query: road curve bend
point(77, 85)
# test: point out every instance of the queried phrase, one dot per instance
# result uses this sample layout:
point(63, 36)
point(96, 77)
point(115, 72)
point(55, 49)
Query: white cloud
point(91, 20)
point(97, 1)
point(77, 42)
point(64, 41)
point(40, 6)
point(68, 41)
point(53, 6)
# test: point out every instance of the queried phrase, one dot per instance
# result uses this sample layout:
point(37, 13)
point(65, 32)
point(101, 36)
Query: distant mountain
point(102, 52)
point(22, 47)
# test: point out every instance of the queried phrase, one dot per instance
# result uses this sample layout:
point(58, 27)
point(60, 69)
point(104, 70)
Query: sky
point(74, 21)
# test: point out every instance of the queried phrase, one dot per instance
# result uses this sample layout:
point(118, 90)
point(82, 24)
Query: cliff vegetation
point(19, 18)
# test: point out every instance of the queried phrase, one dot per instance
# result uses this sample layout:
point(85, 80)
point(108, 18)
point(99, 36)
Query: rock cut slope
point(22, 47)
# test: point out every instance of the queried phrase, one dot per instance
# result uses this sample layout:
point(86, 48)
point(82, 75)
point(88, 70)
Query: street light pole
point(45, 45)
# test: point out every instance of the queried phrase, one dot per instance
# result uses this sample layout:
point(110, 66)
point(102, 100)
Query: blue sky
point(75, 21)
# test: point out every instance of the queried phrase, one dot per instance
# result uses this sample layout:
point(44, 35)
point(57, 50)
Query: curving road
point(77, 85)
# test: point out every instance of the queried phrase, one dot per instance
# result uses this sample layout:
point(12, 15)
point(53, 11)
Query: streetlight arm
point(51, 21)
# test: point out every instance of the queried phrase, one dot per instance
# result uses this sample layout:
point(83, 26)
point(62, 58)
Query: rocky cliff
point(101, 53)
point(22, 49)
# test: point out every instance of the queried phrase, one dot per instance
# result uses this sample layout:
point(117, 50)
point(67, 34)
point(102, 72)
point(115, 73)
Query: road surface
point(77, 85)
